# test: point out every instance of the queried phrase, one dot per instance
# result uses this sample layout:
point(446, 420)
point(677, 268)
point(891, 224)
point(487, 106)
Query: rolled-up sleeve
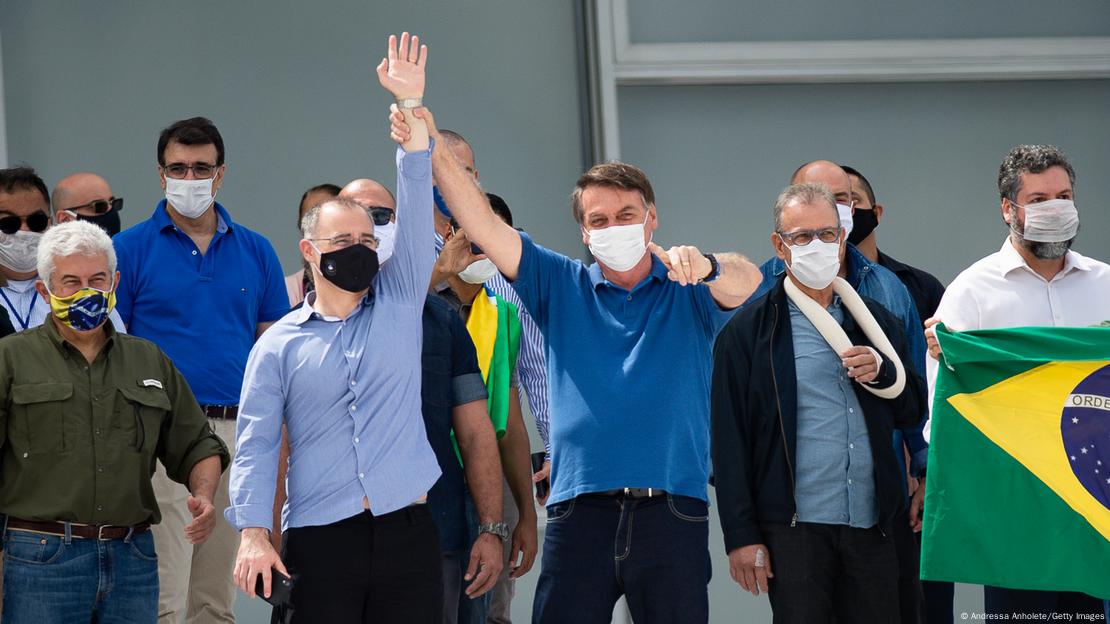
point(253, 480)
point(186, 437)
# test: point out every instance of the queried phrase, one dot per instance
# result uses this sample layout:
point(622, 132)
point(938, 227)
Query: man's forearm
point(516, 460)
point(478, 446)
point(204, 477)
point(738, 279)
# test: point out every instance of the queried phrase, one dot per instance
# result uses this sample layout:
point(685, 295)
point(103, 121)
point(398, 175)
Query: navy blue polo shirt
point(202, 310)
point(628, 375)
point(450, 378)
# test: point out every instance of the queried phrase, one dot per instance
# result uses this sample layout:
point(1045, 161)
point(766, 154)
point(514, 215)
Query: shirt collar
point(1009, 259)
point(658, 273)
point(223, 218)
point(304, 313)
point(61, 343)
point(893, 265)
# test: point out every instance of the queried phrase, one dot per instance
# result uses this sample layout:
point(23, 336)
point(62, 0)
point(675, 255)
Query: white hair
point(73, 238)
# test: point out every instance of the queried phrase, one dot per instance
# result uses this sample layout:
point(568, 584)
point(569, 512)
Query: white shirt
point(26, 309)
point(1002, 291)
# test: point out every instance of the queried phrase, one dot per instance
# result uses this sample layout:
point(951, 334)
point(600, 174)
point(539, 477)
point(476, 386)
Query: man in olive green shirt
point(84, 413)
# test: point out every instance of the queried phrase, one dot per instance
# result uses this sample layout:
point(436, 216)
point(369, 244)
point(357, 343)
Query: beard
point(1042, 250)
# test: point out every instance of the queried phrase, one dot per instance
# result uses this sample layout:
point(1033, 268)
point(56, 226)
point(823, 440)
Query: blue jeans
point(653, 551)
point(49, 579)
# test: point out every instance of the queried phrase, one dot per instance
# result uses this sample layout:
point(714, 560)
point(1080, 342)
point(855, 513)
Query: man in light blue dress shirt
point(343, 374)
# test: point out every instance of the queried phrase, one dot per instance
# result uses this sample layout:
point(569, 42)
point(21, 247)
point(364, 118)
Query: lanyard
point(23, 322)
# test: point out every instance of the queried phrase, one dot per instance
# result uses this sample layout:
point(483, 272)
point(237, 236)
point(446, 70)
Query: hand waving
point(402, 71)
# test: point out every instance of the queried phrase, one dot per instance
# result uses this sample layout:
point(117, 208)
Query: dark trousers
point(831, 573)
point(999, 600)
point(653, 551)
point(365, 569)
point(911, 600)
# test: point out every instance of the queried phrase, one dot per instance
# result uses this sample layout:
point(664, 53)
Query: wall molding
point(621, 62)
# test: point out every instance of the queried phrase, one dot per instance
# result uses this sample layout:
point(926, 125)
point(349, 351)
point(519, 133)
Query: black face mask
point(351, 268)
point(863, 223)
point(109, 221)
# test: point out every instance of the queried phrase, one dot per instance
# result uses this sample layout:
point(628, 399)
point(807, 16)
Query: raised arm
point(469, 205)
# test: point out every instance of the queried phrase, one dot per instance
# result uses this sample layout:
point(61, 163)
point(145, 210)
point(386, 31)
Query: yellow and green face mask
point(85, 309)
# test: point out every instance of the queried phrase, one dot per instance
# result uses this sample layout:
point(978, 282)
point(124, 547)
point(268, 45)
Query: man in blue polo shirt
point(628, 354)
point(202, 288)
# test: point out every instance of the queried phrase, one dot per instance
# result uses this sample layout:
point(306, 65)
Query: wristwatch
point(714, 269)
point(500, 529)
point(410, 102)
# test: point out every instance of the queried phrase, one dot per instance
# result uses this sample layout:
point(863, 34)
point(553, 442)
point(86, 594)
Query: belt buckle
point(100, 532)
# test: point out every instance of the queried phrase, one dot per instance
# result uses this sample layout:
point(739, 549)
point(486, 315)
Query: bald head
point(828, 173)
point(78, 190)
point(461, 149)
point(368, 193)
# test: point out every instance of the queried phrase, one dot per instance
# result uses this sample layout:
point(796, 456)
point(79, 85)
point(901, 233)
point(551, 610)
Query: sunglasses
point(36, 223)
point(380, 214)
point(101, 206)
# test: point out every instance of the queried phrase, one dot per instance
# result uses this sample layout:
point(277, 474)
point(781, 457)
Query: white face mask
point(816, 264)
point(190, 198)
point(478, 272)
point(19, 251)
point(386, 234)
point(844, 211)
point(1052, 221)
point(619, 247)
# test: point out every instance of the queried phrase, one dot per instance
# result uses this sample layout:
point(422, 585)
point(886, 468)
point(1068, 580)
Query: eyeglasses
point(100, 206)
point(381, 215)
point(801, 238)
point(202, 171)
point(36, 223)
point(342, 241)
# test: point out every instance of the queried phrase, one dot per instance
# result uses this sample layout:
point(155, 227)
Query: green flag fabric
point(1018, 487)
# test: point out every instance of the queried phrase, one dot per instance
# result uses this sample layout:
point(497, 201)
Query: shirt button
point(851, 446)
point(100, 468)
point(849, 482)
point(630, 297)
point(194, 252)
point(100, 507)
point(25, 456)
point(352, 407)
point(360, 475)
point(97, 432)
point(356, 440)
point(851, 410)
point(352, 383)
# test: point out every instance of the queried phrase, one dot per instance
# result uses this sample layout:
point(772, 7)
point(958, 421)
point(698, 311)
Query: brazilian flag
point(494, 326)
point(1018, 487)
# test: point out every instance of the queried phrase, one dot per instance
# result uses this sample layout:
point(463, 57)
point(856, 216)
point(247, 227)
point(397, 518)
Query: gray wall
point(292, 88)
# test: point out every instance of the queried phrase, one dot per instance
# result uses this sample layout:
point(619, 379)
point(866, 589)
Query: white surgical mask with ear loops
point(619, 247)
point(478, 272)
point(1052, 221)
point(844, 211)
point(190, 198)
point(816, 264)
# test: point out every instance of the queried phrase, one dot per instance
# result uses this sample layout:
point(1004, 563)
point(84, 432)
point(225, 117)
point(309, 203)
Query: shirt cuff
point(415, 165)
point(468, 388)
point(250, 516)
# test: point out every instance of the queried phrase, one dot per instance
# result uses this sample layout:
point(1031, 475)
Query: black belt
point(221, 412)
point(85, 531)
point(632, 493)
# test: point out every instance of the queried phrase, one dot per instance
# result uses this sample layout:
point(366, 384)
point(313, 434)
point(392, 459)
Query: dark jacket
point(753, 408)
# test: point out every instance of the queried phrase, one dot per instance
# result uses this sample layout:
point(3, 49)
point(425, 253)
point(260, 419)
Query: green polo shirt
point(78, 441)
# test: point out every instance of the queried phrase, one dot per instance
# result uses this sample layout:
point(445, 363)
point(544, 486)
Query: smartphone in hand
point(542, 487)
point(281, 588)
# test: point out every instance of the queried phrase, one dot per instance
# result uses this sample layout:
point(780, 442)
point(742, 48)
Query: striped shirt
point(531, 361)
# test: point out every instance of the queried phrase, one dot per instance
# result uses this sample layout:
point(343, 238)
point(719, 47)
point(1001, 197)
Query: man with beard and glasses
point(1033, 280)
